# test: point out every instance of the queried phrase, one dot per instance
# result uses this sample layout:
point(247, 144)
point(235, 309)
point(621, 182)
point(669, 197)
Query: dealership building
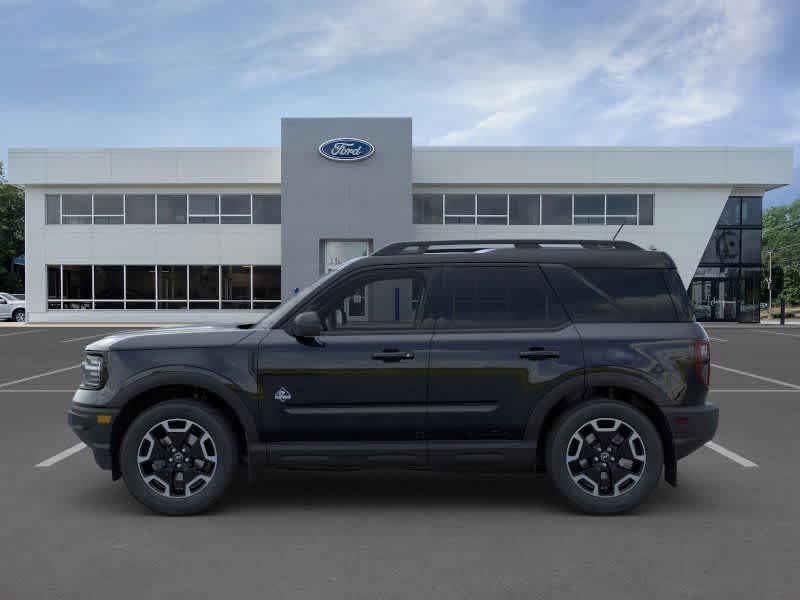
point(224, 234)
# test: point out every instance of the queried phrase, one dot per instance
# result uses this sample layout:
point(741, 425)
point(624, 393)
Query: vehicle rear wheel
point(19, 315)
point(179, 457)
point(605, 457)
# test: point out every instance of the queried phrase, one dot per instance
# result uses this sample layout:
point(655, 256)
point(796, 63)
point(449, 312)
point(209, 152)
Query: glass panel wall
point(165, 287)
point(727, 281)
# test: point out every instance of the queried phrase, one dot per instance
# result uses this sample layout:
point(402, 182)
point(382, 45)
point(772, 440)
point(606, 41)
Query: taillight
point(702, 361)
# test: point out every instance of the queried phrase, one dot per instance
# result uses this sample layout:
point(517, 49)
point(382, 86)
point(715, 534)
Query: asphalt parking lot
point(729, 530)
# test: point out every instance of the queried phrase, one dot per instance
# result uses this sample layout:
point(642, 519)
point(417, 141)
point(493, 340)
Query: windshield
point(8, 297)
point(284, 308)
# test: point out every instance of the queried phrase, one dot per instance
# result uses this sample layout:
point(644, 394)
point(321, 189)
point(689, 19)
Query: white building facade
point(223, 234)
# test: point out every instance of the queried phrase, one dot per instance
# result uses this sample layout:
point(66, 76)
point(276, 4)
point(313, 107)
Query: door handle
point(392, 355)
point(539, 354)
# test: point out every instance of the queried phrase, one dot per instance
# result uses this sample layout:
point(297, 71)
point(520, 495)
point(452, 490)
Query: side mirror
point(306, 325)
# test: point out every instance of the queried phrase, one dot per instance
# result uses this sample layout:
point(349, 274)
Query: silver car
point(12, 308)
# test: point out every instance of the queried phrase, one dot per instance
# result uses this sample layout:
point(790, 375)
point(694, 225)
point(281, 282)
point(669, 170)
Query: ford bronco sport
point(581, 359)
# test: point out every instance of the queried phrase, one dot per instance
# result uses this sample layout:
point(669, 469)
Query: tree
point(781, 235)
point(12, 235)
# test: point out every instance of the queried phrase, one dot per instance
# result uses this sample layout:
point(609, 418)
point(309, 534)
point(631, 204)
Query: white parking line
point(754, 376)
point(716, 339)
point(80, 339)
point(71, 391)
point(738, 459)
point(22, 332)
point(774, 332)
point(24, 379)
point(49, 462)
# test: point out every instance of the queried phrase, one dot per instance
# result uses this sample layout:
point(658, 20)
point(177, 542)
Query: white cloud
point(680, 65)
point(302, 44)
point(496, 122)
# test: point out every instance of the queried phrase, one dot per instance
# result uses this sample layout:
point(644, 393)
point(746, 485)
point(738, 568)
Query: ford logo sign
point(346, 149)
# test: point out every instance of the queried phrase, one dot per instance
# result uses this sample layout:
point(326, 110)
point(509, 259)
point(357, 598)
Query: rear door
point(502, 341)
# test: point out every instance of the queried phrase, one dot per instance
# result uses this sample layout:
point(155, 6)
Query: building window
point(428, 209)
point(266, 287)
point(236, 291)
point(172, 285)
point(557, 209)
point(53, 209)
point(140, 287)
point(76, 209)
point(171, 209)
point(726, 284)
point(76, 281)
point(459, 209)
point(164, 209)
point(204, 287)
point(204, 208)
point(533, 209)
point(109, 286)
point(165, 287)
point(140, 209)
point(266, 209)
point(235, 209)
point(109, 209)
point(523, 209)
point(589, 209)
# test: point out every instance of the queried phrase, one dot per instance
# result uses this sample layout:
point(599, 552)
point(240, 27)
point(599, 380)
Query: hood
point(193, 336)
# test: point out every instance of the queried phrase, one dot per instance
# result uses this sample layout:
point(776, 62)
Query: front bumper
point(692, 426)
point(93, 431)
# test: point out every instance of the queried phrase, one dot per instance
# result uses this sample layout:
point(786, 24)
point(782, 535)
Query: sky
point(106, 73)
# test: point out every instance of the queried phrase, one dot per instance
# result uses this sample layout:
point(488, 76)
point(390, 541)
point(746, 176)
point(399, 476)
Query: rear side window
point(497, 297)
point(679, 296)
point(613, 295)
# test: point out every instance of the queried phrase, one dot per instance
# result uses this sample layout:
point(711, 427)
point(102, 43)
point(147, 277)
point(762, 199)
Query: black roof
point(575, 253)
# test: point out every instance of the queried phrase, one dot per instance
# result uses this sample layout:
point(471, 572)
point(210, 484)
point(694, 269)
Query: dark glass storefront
point(727, 281)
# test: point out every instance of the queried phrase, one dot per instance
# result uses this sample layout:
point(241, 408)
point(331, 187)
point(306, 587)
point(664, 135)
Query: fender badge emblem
point(283, 395)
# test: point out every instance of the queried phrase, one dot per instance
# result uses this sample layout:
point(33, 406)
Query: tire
point(145, 441)
point(18, 315)
point(570, 443)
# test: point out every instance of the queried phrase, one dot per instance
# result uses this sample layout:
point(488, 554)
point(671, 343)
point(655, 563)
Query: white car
point(12, 308)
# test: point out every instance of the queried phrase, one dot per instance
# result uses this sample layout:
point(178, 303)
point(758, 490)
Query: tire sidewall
point(214, 423)
point(559, 439)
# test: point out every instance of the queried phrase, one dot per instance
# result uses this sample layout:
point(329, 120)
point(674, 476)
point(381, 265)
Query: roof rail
point(426, 247)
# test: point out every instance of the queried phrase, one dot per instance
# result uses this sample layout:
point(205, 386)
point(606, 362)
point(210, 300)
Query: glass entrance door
point(714, 299)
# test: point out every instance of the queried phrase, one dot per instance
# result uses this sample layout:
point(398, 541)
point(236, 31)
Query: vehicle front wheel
point(19, 315)
point(605, 457)
point(179, 457)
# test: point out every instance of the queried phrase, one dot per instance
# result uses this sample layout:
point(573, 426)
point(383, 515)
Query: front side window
point(497, 297)
point(387, 300)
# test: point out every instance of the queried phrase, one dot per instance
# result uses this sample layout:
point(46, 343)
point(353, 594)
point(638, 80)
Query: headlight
point(94, 372)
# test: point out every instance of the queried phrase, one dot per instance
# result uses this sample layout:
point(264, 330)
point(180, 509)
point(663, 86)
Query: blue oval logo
point(344, 149)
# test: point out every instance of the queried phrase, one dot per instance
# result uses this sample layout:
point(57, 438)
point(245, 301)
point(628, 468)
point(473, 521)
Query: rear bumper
point(84, 422)
point(692, 426)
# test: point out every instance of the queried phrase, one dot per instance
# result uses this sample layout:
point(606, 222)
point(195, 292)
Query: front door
point(364, 378)
point(714, 299)
point(502, 341)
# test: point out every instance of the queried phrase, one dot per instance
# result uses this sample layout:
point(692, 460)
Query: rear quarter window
point(613, 295)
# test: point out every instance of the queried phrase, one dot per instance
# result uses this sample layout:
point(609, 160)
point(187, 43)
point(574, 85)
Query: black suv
point(578, 358)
